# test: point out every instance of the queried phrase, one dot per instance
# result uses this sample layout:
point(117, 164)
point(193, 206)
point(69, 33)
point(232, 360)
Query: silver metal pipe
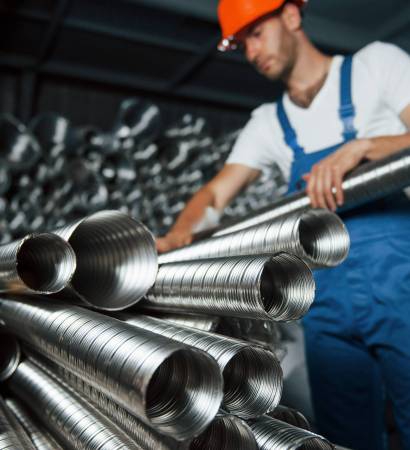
point(77, 424)
point(38, 263)
point(370, 181)
point(40, 437)
point(177, 389)
point(10, 354)
point(291, 416)
point(275, 434)
point(116, 259)
point(252, 376)
point(145, 436)
point(278, 287)
point(318, 236)
point(204, 323)
point(12, 435)
point(226, 432)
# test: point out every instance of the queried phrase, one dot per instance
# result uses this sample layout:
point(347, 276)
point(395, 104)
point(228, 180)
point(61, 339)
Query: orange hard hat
point(234, 15)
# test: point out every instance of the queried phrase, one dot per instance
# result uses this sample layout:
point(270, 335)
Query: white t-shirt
point(380, 92)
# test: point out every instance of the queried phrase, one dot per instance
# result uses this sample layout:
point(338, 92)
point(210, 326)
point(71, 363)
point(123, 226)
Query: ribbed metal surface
point(40, 437)
point(9, 354)
point(318, 236)
point(204, 323)
point(137, 430)
point(38, 263)
point(116, 259)
point(368, 182)
point(290, 416)
point(226, 433)
point(77, 424)
point(12, 435)
point(252, 375)
point(177, 389)
point(273, 434)
point(279, 287)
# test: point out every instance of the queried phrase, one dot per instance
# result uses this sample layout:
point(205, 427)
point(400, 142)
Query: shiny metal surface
point(318, 236)
point(204, 323)
point(12, 435)
point(278, 287)
point(226, 432)
point(137, 430)
point(177, 389)
point(116, 259)
point(40, 437)
point(38, 263)
point(252, 375)
point(76, 423)
point(10, 354)
point(273, 434)
point(368, 182)
point(291, 416)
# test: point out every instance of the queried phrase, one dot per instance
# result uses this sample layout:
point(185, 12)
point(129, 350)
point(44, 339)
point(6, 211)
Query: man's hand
point(324, 182)
point(173, 240)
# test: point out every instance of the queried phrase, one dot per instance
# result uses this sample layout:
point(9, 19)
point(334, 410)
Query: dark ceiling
point(168, 47)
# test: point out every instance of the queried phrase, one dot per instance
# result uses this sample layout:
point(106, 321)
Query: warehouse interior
point(112, 116)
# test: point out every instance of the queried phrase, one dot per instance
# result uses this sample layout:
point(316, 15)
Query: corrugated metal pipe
point(177, 390)
point(275, 434)
point(10, 354)
point(252, 375)
point(226, 432)
point(12, 435)
point(204, 323)
point(40, 437)
point(318, 236)
point(116, 259)
point(38, 263)
point(370, 181)
point(76, 423)
point(268, 287)
point(291, 416)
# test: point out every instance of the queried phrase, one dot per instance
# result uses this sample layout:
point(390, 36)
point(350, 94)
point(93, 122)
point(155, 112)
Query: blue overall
point(357, 332)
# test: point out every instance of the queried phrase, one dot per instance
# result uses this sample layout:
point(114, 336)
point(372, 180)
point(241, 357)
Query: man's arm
point(329, 172)
point(217, 193)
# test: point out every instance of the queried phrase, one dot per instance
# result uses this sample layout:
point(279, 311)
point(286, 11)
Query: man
point(336, 112)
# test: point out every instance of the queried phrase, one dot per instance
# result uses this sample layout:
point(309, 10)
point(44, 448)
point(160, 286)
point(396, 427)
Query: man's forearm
point(194, 210)
point(383, 146)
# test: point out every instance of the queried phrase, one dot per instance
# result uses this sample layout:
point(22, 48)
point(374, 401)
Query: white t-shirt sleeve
point(255, 146)
point(390, 67)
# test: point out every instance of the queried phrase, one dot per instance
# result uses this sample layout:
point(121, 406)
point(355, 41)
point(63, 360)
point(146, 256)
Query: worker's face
point(270, 46)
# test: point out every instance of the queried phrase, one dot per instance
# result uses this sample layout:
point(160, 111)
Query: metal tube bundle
point(252, 375)
point(116, 259)
point(318, 236)
point(268, 287)
point(368, 182)
point(275, 434)
point(12, 435)
point(175, 388)
point(39, 436)
point(38, 263)
point(226, 432)
point(76, 423)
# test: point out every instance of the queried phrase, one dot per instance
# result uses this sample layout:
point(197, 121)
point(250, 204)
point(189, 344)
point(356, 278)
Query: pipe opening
point(116, 260)
point(252, 383)
point(184, 394)
point(45, 263)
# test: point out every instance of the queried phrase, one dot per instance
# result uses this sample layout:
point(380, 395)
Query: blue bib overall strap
point(302, 162)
